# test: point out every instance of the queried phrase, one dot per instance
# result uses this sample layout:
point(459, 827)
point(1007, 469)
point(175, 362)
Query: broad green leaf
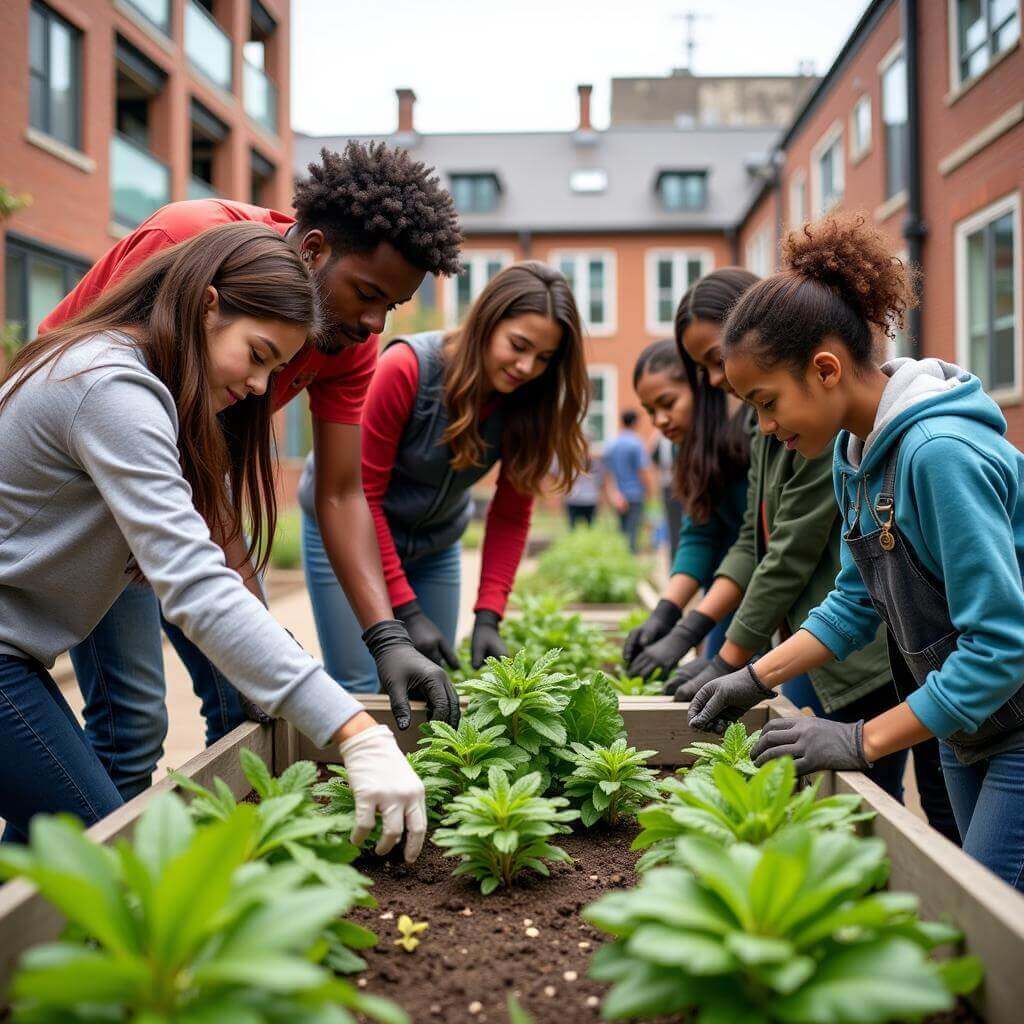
point(162, 832)
point(695, 953)
point(67, 975)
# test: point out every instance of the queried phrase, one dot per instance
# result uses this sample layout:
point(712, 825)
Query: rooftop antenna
point(690, 19)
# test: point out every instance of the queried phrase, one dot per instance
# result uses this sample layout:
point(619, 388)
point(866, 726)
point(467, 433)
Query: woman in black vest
point(508, 387)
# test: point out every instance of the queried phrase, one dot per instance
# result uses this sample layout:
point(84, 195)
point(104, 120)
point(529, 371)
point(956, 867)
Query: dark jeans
point(120, 670)
point(630, 522)
point(673, 520)
point(46, 763)
point(580, 514)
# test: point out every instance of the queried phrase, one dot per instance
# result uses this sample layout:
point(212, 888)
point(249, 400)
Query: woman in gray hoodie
point(131, 434)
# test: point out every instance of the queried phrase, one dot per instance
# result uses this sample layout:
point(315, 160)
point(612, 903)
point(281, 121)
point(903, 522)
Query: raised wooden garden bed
point(949, 883)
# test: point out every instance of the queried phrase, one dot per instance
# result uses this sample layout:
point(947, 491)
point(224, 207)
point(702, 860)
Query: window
point(798, 199)
point(55, 76)
point(860, 128)
point(480, 268)
point(475, 193)
point(156, 12)
point(683, 190)
point(669, 274)
point(588, 180)
point(829, 172)
point(261, 178)
point(894, 121)
point(988, 274)
point(35, 280)
point(591, 275)
point(601, 413)
point(758, 254)
point(983, 29)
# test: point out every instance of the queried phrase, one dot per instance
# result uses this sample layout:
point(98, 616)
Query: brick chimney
point(584, 92)
point(406, 101)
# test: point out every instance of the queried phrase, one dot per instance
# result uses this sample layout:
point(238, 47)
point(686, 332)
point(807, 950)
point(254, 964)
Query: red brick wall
point(762, 217)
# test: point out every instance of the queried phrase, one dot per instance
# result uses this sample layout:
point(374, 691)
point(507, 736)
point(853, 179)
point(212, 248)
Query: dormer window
point(683, 190)
point(475, 193)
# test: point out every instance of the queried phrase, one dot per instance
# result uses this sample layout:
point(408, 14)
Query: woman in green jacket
point(784, 563)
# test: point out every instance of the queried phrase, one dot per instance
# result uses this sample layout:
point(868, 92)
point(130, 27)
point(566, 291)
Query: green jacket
point(785, 578)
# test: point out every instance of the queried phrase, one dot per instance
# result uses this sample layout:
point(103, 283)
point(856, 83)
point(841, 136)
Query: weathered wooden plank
point(26, 919)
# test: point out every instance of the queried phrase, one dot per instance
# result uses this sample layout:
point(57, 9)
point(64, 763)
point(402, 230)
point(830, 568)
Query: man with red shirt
point(370, 224)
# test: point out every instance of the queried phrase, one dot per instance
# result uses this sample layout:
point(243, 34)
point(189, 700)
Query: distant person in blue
point(584, 496)
point(628, 464)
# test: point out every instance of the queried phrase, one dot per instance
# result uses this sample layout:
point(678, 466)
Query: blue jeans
point(46, 762)
point(120, 670)
point(434, 578)
point(630, 522)
point(988, 804)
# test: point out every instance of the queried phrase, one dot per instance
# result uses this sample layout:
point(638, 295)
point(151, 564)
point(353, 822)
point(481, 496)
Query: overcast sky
point(513, 65)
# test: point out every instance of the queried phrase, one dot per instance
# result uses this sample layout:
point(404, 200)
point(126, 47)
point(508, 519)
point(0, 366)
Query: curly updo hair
point(377, 193)
point(839, 280)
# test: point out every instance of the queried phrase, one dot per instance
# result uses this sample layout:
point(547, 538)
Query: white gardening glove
point(383, 782)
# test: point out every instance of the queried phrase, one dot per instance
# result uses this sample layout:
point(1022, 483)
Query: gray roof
point(534, 167)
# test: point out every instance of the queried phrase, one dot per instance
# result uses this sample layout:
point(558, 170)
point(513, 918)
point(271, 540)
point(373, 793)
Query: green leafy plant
point(786, 933)
point(503, 830)
point(592, 714)
point(610, 781)
point(730, 808)
point(178, 926)
point(454, 759)
point(734, 751)
point(636, 686)
point(524, 695)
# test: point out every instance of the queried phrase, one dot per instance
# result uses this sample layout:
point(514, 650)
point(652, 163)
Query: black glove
point(666, 652)
point(659, 622)
point(425, 636)
point(486, 642)
point(725, 699)
point(686, 683)
point(814, 744)
point(405, 673)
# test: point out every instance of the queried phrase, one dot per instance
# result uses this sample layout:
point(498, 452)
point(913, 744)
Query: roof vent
point(588, 180)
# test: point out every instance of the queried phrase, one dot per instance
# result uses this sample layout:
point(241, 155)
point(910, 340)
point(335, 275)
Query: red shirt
point(337, 384)
point(389, 405)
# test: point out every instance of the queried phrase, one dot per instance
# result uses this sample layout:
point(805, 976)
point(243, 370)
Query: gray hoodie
point(90, 485)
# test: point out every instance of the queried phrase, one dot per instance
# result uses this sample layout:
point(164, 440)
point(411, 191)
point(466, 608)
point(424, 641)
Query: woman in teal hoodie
point(932, 495)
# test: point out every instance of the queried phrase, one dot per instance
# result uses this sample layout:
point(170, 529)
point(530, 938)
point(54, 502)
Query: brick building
point(113, 108)
point(920, 123)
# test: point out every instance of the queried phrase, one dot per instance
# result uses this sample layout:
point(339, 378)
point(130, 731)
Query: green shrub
point(786, 933)
point(609, 781)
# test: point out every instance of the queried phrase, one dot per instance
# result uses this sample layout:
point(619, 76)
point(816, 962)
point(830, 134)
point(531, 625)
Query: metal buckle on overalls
point(886, 541)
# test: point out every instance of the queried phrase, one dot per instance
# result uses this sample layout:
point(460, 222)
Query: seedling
point(734, 751)
point(409, 929)
point(609, 781)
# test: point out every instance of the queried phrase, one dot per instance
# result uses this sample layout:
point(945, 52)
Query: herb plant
point(636, 686)
point(592, 714)
point(176, 926)
point(503, 830)
point(610, 781)
point(787, 933)
point(734, 751)
point(454, 759)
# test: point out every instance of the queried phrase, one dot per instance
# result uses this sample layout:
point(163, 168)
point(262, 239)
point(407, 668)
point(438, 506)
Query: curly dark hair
point(376, 193)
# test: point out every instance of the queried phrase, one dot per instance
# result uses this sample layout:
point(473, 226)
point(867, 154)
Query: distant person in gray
point(131, 434)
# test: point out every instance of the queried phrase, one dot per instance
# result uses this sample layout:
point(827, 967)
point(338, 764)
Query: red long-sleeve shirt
point(389, 404)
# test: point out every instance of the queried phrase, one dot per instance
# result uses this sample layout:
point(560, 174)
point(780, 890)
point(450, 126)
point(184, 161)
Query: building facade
point(113, 108)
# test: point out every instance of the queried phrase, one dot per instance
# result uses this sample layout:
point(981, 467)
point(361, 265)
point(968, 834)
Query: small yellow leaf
point(409, 929)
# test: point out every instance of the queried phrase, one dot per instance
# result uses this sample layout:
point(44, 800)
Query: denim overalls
point(913, 605)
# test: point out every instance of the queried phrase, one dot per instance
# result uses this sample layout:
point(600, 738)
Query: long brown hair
point(162, 305)
point(543, 420)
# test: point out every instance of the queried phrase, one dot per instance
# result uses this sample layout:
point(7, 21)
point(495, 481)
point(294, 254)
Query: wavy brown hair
point(161, 305)
point(543, 420)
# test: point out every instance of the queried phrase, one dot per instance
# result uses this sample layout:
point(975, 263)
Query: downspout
point(778, 162)
point(914, 228)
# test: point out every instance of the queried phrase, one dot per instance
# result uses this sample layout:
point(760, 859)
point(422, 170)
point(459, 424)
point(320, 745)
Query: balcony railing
point(207, 46)
point(139, 183)
point(157, 12)
point(260, 96)
point(199, 189)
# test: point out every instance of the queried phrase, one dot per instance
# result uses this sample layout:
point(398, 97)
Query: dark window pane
point(14, 291)
point(596, 281)
point(37, 41)
point(37, 103)
point(664, 273)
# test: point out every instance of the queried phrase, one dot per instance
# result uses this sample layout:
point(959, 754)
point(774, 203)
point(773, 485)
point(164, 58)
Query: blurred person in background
point(628, 478)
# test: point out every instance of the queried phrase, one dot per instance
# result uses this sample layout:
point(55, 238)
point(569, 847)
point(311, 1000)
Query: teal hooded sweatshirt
point(959, 496)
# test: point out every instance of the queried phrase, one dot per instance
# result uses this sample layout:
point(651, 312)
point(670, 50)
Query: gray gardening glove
point(723, 700)
point(664, 654)
point(687, 682)
point(659, 622)
point(814, 744)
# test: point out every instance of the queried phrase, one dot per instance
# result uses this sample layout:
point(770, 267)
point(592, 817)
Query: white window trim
point(472, 257)
point(832, 135)
point(678, 256)
point(760, 240)
point(956, 87)
point(799, 179)
point(858, 154)
point(611, 298)
point(961, 230)
point(610, 375)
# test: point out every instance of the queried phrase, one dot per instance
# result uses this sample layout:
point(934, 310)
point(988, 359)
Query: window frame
point(581, 257)
point(32, 251)
point(474, 177)
point(609, 405)
point(473, 259)
point(962, 230)
point(832, 136)
point(691, 173)
point(959, 84)
point(858, 152)
point(760, 240)
point(679, 258)
point(884, 67)
point(49, 16)
point(798, 179)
